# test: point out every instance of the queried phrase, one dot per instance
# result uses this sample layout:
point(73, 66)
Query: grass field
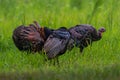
point(99, 62)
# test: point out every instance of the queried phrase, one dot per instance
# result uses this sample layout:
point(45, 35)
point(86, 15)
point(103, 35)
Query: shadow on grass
point(111, 72)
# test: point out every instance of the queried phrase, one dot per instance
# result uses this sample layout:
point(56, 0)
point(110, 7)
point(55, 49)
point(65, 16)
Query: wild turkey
point(56, 44)
point(30, 38)
point(84, 35)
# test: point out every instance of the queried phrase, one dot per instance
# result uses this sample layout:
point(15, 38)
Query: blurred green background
point(99, 62)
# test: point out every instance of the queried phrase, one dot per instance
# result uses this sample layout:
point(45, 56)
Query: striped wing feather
point(53, 47)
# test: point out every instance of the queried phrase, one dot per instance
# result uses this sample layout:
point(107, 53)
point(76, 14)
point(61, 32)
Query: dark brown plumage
point(30, 38)
point(56, 44)
point(84, 35)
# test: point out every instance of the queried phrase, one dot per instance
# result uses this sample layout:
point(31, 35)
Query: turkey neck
point(98, 36)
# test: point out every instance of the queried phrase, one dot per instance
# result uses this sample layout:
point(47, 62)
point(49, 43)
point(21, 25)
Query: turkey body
point(56, 44)
point(30, 38)
point(84, 35)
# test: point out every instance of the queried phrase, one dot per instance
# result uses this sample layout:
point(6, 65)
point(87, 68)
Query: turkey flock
point(54, 42)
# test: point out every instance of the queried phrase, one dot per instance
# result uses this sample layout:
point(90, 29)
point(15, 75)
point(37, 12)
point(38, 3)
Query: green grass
point(99, 62)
